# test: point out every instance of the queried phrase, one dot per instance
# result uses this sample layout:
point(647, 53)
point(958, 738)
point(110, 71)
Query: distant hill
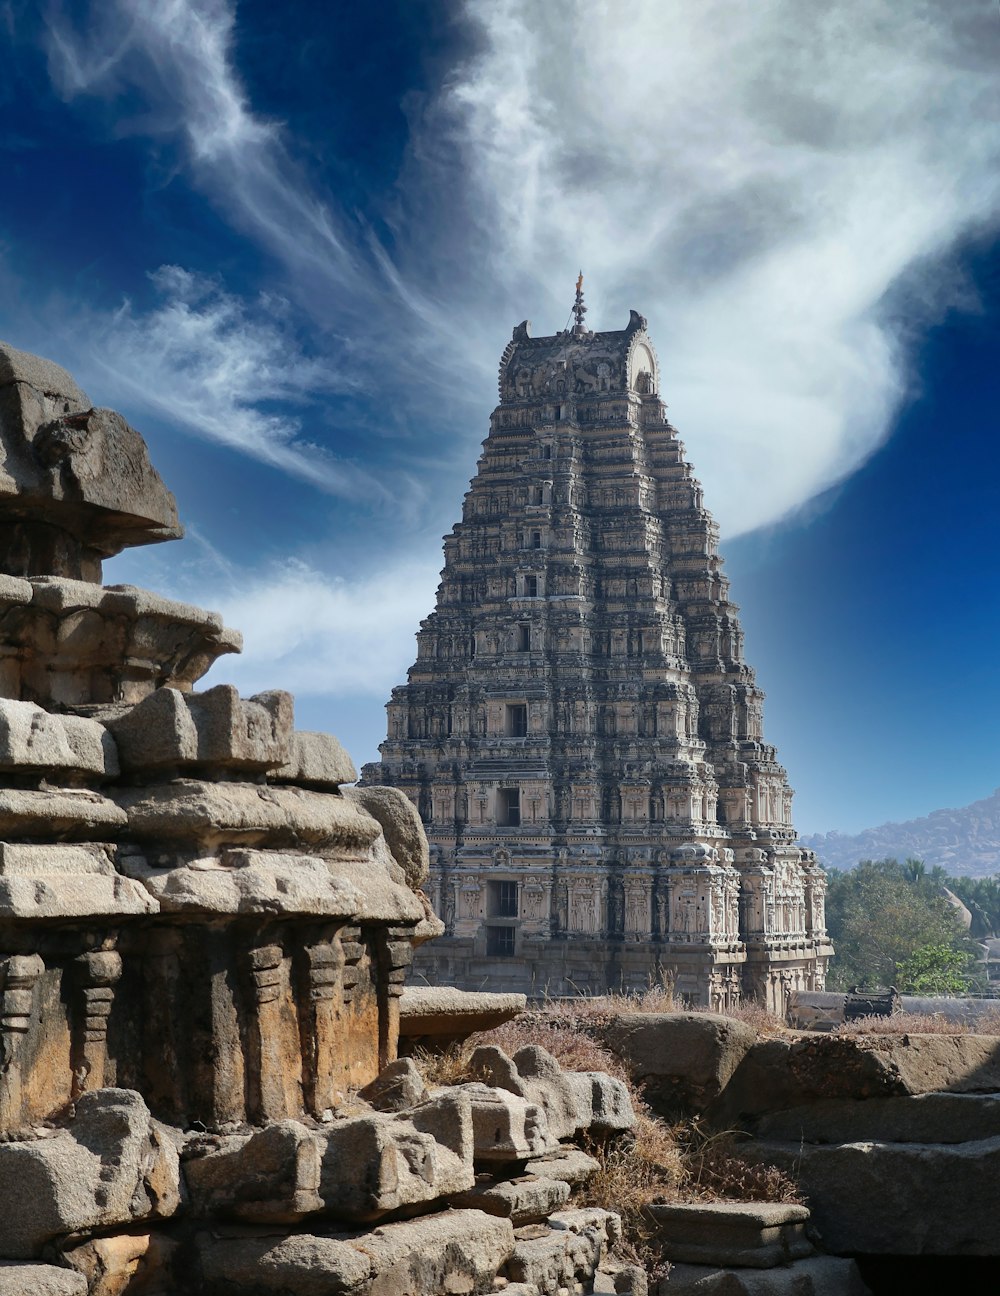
point(965, 842)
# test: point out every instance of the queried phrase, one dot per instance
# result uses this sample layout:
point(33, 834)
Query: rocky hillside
point(964, 842)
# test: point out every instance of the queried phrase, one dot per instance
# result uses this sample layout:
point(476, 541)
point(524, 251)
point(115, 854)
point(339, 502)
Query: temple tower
point(580, 732)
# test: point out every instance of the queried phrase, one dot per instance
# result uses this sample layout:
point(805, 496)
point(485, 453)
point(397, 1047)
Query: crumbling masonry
point(203, 943)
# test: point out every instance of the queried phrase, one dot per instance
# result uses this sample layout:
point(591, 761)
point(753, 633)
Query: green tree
point(879, 914)
point(935, 970)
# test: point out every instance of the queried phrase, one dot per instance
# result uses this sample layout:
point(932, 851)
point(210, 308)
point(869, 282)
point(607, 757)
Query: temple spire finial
point(579, 309)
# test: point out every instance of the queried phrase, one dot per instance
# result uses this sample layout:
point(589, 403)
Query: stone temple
point(580, 732)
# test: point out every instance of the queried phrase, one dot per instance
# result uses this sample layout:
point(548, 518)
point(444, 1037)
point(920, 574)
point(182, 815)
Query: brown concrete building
point(580, 731)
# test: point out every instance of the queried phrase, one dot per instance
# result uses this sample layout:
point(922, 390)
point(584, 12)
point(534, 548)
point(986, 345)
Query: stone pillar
point(395, 954)
point(18, 975)
point(98, 974)
point(274, 1051)
point(321, 1013)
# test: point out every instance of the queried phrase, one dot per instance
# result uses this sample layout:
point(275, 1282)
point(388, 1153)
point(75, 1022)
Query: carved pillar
point(322, 1021)
point(273, 1053)
point(395, 954)
point(18, 975)
point(99, 973)
point(361, 1011)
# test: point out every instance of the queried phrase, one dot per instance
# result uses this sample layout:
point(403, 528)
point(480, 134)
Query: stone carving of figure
point(470, 900)
point(604, 376)
point(636, 910)
point(582, 911)
point(585, 381)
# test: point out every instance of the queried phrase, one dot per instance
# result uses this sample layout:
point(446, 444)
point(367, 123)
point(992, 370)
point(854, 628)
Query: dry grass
point(715, 1170)
point(904, 1024)
point(986, 1023)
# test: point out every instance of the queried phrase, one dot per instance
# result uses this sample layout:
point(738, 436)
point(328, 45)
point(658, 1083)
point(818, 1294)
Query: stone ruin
point(204, 937)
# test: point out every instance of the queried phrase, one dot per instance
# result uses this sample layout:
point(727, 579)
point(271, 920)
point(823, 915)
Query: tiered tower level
point(580, 731)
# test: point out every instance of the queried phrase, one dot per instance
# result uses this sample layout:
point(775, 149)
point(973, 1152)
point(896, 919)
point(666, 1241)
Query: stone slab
point(524, 1200)
point(896, 1198)
point(303, 1264)
point(317, 760)
point(73, 813)
point(568, 1164)
point(920, 1118)
point(757, 1235)
point(428, 1011)
point(248, 882)
point(218, 729)
point(402, 826)
point(682, 1060)
point(110, 1166)
point(60, 881)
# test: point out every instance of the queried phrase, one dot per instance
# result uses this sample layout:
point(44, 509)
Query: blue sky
point(290, 242)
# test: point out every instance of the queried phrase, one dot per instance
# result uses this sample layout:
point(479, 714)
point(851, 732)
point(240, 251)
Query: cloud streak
point(756, 178)
point(203, 361)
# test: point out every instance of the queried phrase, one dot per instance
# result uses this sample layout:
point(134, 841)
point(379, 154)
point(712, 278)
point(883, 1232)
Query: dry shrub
point(448, 1066)
point(715, 1170)
point(906, 1024)
point(988, 1022)
point(753, 1012)
point(571, 1046)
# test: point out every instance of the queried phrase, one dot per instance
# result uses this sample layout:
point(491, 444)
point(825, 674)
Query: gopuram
point(204, 937)
point(580, 732)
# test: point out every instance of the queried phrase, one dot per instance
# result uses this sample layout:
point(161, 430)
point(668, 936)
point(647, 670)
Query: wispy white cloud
point(306, 630)
point(755, 178)
point(206, 361)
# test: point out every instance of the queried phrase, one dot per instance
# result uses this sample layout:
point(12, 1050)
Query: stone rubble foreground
point(204, 938)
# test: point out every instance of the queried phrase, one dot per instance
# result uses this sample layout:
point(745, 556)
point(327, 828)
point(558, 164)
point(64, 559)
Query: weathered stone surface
point(40, 1280)
point(758, 1235)
point(50, 380)
point(247, 813)
point(896, 1198)
point(84, 471)
point(110, 1166)
point(443, 1013)
point(308, 1266)
point(271, 1176)
point(568, 1164)
point(398, 1086)
point(31, 739)
point(525, 1200)
point(417, 1157)
point(815, 1276)
point(83, 645)
point(402, 826)
point(573, 1101)
point(360, 1169)
point(128, 1264)
point(174, 730)
point(778, 1073)
point(317, 760)
point(458, 1251)
point(506, 1126)
point(73, 813)
point(682, 1060)
point(247, 882)
point(570, 1250)
point(39, 881)
point(922, 1118)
